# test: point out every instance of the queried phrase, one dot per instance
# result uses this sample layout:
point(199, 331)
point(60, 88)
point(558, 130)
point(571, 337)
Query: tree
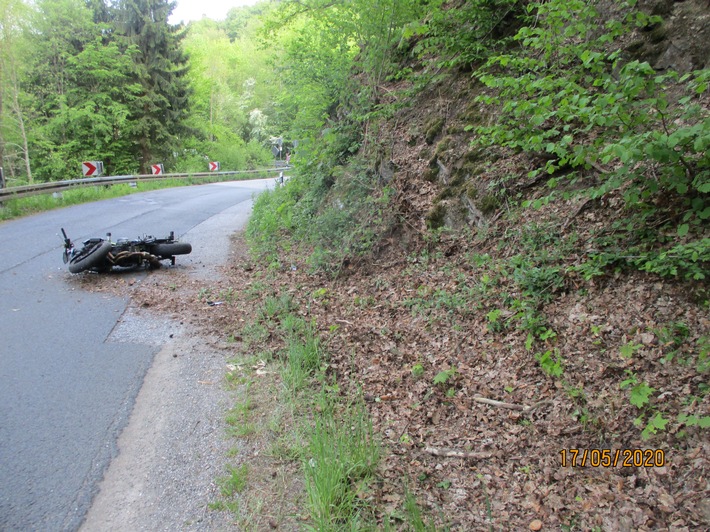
point(230, 79)
point(12, 125)
point(326, 41)
point(78, 87)
point(161, 105)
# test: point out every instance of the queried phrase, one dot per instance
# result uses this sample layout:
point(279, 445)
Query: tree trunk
point(17, 109)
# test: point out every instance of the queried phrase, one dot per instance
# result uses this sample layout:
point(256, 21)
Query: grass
point(235, 481)
point(342, 456)
point(311, 424)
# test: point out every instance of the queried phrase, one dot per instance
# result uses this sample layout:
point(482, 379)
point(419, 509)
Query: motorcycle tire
point(165, 251)
point(90, 258)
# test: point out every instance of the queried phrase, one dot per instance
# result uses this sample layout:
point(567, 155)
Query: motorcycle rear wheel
point(165, 251)
point(90, 258)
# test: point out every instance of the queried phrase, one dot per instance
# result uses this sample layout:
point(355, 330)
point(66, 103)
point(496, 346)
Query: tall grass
point(341, 458)
point(339, 451)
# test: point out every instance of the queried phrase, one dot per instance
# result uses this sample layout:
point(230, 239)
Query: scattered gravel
point(175, 445)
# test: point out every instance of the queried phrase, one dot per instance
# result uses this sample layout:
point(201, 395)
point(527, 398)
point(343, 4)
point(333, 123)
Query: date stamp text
point(613, 457)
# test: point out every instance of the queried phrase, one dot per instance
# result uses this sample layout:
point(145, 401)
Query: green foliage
point(627, 350)
point(325, 39)
point(656, 423)
point(702, 422)
point(339, 450)
point(323, 213)
point(444, 376)
point(689, 260)
point(537, 282)
point(461, 37)
point(551, 362)
point(91, 81)
point(703, 363)
point(304, 357)
point(639, 392)
point(233, 113)
point(76, 83)
point(495, 324)
point(417, 520)
point(341, 456)
point(417, 370)
point(160, 102)
point(569, 96)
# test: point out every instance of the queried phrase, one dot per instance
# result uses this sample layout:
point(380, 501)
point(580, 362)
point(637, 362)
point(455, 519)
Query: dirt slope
point(483, 427)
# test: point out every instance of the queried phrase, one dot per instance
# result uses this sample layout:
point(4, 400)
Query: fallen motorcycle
point(102, 255)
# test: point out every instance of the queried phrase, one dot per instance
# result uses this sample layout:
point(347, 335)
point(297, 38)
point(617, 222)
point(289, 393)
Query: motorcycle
point(103, 255)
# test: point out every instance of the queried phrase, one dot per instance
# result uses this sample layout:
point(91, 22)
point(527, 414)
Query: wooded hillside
point(501, 234)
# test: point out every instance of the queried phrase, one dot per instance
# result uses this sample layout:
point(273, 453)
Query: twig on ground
point(510, 406)
point(501, 404)
point(576, 213)
point(454, 453)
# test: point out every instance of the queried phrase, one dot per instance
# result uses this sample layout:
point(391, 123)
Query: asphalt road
point(67, 389)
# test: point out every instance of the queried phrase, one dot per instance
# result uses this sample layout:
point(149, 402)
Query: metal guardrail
point(58, 186)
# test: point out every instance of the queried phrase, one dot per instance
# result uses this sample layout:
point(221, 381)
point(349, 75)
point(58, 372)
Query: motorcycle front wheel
point(90, 257)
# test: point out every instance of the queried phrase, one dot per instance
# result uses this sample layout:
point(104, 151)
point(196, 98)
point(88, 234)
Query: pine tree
point(74, 81)
point(162, 103)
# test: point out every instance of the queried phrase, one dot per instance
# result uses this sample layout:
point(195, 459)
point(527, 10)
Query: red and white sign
point(214, 167)
point(157, 169)
point(91, 168)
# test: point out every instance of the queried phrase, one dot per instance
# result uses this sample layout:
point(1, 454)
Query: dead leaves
point(493, 431)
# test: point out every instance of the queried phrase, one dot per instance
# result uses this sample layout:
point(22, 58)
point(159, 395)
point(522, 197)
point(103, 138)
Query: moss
point(431, 174)
point(472, 191)
point(663, 8)
point(474, 155)
point(433, 128)
point(472, 115)
point(444, 145)
point(459, 177)
point(446, 193)
point(488, 203)
point(658, 34)
point(636, 46)
point(435, 217)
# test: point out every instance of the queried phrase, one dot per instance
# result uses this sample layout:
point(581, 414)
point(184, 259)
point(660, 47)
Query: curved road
point(66, 390)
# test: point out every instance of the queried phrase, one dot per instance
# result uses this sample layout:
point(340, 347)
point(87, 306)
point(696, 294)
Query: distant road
point(66, 389)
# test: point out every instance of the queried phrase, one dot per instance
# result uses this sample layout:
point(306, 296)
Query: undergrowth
point(607, 125)
point(332, 438)
point(335, 210)
point(595, 126)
